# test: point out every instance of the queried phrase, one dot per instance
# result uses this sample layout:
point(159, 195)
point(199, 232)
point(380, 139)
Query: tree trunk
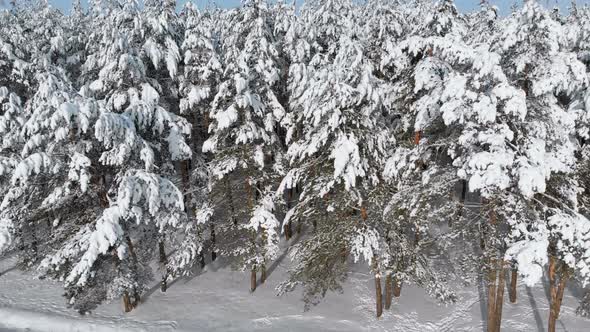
point(556, 298)
point(552, 294)
point(134, 258)
point(202, 259)
point(492, 297)
point(127, 307)
point(552, 288)
point(131, 248)
point(163, 266)
point(288, 230)
point(500, 298)
point(103, 193)
point(552, 319)
point(185, 176)
point(560, 290)
point(253, 279)
point(513, 281)
point(388, 291)
point(213, 242)
point(397, 287)
point(378, 295)
point(289, 197)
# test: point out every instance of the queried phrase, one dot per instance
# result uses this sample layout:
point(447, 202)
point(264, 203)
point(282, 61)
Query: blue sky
point(463, 5)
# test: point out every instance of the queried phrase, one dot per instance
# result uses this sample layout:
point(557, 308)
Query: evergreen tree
point(243, 140)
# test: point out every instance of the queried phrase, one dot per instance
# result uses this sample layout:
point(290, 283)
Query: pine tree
point(243, 140)
point(336, 158)
point(112, 252)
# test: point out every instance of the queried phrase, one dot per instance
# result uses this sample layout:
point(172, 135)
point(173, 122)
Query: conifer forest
point(143, 141)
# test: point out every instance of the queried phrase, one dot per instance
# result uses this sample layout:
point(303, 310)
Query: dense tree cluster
point(134, 133)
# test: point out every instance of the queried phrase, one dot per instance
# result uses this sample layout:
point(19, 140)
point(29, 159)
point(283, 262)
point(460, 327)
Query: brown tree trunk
point(552, 294)
point(560, 290)
point(134, 258)
point(378, 295)
point(127, 304)
point(388, 291)
point(184, 175)
point(202, 259)
point(417, 137)
point(397, 287)
point(163, 266)
point(253, 279)
point(552, 319)
point(552, 288)
point(288, 230)
point(556, 297)
point(213, 242)
point(131, 249)
point(103, 193)
point(127, 307)
point(513, 281)
point(500, 298)
point(492, 297)
point(289, 197)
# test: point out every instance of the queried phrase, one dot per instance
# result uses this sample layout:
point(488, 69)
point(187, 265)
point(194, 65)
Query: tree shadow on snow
point(538, 319)
point(8, 270)
point(280, 259)
point(482, 300)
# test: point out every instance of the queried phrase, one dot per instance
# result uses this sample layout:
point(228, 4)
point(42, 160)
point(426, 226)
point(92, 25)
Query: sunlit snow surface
point(218, 300)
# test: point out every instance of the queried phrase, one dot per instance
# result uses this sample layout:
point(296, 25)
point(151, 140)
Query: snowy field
point(218, 300)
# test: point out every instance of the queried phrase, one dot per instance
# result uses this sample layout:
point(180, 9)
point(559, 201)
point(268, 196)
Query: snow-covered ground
point(218, 300)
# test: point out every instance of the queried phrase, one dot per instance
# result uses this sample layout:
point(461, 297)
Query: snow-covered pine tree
point(15, 81)
point(294, 51)
point(416, 69)
point(578, 33)
point(337, 144)
point(136, 140)
point(482, 24)
point(245, 147)
point(14, 57)
point(12, 118)
point(531, 159)
point(75, 37)
point(198, 86)
point(312, 36)
point(35, 144)
point(162, 34)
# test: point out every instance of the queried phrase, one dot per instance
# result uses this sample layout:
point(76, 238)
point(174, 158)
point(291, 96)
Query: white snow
point(219, 300)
